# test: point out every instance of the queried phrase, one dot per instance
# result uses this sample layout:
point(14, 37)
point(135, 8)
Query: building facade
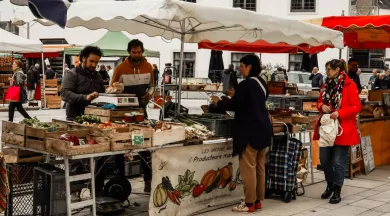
point(197, 61)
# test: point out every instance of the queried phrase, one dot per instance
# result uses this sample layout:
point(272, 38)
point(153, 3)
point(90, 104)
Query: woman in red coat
point(340, 98)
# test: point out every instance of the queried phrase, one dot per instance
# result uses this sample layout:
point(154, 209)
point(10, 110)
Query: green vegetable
point(36, 123)
point(87, 118)
point(186, 183)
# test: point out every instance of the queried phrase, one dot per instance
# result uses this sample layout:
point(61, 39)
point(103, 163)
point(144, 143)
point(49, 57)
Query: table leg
point(92, 169)
point(67, 186)
point(311, 158)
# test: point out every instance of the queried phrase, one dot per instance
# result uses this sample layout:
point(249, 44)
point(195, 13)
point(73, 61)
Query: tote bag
point(37, 94)
point(13, 94)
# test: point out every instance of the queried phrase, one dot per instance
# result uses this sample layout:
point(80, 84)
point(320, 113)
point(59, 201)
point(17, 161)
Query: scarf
point(332, 95)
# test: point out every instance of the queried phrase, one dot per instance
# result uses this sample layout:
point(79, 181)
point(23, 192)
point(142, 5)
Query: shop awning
point(360, 32)
point(13, 43)
point(113, 44)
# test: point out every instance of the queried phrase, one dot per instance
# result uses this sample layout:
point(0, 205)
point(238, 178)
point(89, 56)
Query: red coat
point(350, 107)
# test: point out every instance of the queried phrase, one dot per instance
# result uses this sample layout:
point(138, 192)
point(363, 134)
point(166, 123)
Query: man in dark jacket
point(353, 72)
point(50, 73)
point(229, 79)
point(316, 78)
point(33, 77)
point(83, 84)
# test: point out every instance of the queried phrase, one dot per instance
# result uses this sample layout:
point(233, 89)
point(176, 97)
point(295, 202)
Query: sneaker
point(258, 205)
point(243, 208)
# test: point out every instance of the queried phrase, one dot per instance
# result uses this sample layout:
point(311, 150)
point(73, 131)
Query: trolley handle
point(281, 123)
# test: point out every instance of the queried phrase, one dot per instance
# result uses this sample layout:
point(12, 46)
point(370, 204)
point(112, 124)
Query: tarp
point(113, 44)
point(360, 32)
point(190, 22)
point(13, 43)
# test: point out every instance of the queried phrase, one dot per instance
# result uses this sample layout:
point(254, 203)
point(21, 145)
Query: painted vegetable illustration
point(160, 196)
point(233, 184)
point(164, 191)
point(198, 190)
point(214, 179)
point(186, 183)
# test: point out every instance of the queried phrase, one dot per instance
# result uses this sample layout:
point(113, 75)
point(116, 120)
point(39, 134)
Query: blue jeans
point(333, 160)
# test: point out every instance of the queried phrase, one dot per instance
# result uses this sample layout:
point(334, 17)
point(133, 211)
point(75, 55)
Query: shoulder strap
point(261, 86)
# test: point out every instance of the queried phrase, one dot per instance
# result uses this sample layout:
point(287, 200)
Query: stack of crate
point(53, 101)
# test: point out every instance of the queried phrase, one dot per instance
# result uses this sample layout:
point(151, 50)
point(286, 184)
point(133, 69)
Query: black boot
point(328, 192)
point(336, 198)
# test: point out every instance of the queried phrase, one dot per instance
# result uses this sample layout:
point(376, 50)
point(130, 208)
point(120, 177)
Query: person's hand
point(231, 92)
point(92, 96)
point(145, 99)
point(9, 78)
point(326, 109)
point(215, 99)
point(334, 115)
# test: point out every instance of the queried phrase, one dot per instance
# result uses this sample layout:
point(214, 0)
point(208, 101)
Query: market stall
point(192, 23)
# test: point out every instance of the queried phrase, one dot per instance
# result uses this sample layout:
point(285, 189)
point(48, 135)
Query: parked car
point(301, 79)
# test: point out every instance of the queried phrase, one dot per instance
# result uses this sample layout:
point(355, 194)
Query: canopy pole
point(340, 53)
point(63, 65)
point(181, 66)
point(44, 83)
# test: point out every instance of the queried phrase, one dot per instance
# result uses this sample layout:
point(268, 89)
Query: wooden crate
point(310, 106)
point(121, 139)
point(53, 101)
point(25, 136)
point(175, 134)
point(51, 87)
point(110, 115)
point(65, 148)
point(300, 120)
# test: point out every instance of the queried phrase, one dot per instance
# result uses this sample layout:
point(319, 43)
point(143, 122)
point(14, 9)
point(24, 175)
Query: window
point(236, 59)
point(192, 1)
point(303, 5)
point(189, 63)
point(245, 4)
point(295, 62)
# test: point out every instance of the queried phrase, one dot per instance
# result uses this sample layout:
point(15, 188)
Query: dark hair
point(72, 66)
point(88, 50)
point(352, 60)
point(254, 61)
point(135, 43)
point(48, 66)
point(335, 63)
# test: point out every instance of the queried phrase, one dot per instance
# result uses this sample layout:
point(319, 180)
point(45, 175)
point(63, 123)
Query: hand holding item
point(231, 92)
point(215, 99)
point(326, 109)
point(334, 115)
point(9, 78)
point(92, 96)
point(145, 99)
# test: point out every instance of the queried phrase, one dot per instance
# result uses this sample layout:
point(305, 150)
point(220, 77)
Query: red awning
point(360, 32)
point(260, 46)
point(38, 55)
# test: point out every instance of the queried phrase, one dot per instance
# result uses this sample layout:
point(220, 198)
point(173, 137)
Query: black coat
point(251, 123)
point(76, 85)
point(353, 76)
point(33, 77)
point(105, 76)
point(316, 80)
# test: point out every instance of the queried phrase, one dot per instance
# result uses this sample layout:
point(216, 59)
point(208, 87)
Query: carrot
point(176, 193)
point(172, 197)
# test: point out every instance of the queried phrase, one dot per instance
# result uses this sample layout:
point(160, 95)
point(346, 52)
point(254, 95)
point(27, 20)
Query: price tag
point(137, 138)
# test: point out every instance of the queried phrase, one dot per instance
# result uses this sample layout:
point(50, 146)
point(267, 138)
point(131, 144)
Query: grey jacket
point(76, 85)
point(19, 79)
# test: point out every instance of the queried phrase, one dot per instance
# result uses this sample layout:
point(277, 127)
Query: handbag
point(329, 131)
point(13, 94)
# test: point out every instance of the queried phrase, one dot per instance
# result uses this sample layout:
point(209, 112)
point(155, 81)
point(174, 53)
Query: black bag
point(23, 95)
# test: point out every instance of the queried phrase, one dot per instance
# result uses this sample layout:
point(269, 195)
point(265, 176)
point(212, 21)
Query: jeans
point(11, 111)
point(30, 95)
point(333, 160)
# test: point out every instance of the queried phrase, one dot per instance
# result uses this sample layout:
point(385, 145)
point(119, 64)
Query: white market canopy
point(190, 22)
point(14, 43)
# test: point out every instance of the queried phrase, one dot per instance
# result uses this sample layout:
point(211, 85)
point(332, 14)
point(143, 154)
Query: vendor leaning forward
point(79, 87)
point(136, 73)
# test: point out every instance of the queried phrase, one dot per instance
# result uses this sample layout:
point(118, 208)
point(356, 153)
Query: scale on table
point(119, 100)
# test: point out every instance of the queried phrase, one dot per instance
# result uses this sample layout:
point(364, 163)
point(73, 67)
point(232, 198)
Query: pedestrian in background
point(373, 78)
point(104, 74)
point(340, 99)
point(316, 79)
point(156, 72)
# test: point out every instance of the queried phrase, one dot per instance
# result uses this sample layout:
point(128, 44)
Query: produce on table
point(91, 119)
point(76, 141)
point(186, 183)
point(36, 123)
point(160, 196)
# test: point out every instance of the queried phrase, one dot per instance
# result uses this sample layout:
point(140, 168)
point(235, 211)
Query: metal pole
point(92, 170)
point(67, 187)
point(44, 84)
point(63, 65)
point(181, 65)
point(340, 53)
point(28, 30)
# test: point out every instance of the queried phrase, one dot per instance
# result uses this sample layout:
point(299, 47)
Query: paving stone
point(384, 197)
point(363, 183)
point(313, 212)
point(346, 211)
point(382, 188)
point(383, 208)
point(366, 203)
point(368, 193)
point(371, 213)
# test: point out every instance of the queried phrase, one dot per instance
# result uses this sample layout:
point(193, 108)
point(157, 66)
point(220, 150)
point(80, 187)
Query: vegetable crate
point(122, 138)
point(12, 155)
point(176, 133)
point(110, 115)
point(310, 106)
point(66, 148)
point(26, 136)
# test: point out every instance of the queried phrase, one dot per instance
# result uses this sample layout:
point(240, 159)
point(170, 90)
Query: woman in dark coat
point(251, 131)
point(104, 74)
